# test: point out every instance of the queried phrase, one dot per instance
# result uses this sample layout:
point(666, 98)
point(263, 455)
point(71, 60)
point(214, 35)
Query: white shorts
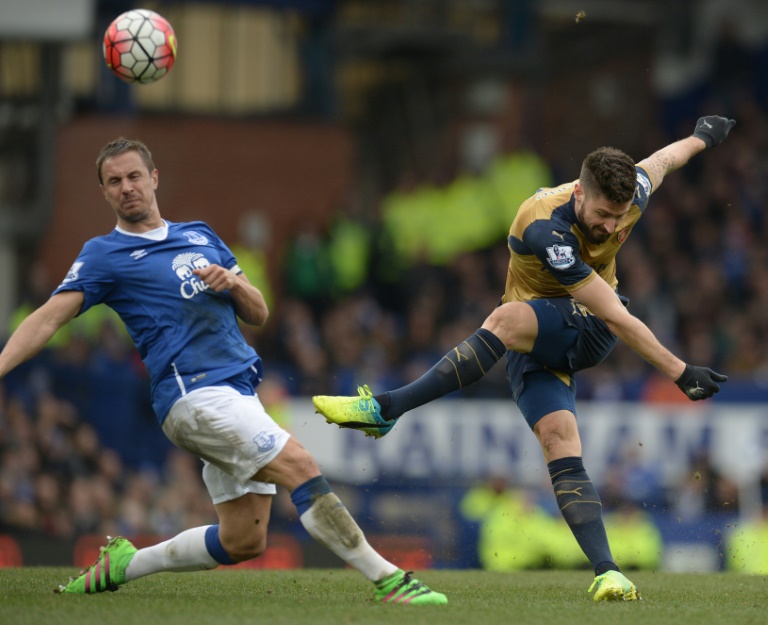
point(233, 435)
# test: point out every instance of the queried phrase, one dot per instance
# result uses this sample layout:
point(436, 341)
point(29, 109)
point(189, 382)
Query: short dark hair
point(609, 172)
point(121, 145)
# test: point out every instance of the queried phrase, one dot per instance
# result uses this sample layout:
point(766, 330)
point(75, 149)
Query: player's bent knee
point(514, 324)
point(552, 446)
point(306, 467)
point(293, 466)
point(246, 547)
point(558, 436)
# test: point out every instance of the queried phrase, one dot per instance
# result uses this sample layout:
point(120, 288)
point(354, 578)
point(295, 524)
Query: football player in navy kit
point(560, 313)
point(179, 291)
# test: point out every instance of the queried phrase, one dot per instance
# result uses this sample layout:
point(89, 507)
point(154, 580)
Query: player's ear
point(155, 178)
point(578, 191)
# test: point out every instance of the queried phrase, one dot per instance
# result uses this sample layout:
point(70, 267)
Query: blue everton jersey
point(186, 333)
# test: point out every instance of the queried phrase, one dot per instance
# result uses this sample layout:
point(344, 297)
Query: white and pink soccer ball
point(140, 46)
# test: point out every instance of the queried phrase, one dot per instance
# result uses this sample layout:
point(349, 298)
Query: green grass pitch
point(342, 597)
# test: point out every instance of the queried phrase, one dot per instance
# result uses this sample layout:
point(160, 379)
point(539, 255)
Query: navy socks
point(462, 366)
point(581, 508)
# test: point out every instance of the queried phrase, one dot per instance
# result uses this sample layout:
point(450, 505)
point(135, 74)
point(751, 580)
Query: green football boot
point(613, 586)
point(358, 413)
point(400, 587)
point(107, 573)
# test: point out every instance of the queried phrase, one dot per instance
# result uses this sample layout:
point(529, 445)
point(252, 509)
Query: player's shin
point(327, 520)
point(581, 508)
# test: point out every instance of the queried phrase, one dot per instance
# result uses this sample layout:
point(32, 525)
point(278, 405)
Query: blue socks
point(214, 546)
point(462, 366)
point(582, 510)
point(304, 495)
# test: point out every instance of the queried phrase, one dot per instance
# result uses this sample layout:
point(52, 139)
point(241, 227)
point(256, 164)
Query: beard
point(593, 234)
point(133, 218)
point(134, 214)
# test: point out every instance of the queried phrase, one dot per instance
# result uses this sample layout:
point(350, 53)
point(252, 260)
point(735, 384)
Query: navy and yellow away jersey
point(549, 256)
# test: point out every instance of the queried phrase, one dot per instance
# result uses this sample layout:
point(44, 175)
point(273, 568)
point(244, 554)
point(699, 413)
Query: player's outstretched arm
point(37, 329)
point(696, 382)
point(710, 131)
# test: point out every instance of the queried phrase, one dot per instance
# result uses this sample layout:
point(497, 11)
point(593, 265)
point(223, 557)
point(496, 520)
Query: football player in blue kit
point(560, 313)
point(179, 291)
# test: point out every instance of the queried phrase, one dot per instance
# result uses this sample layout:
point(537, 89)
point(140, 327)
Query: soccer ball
point(140, 46)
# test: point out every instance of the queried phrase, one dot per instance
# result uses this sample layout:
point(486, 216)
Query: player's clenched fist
point(216, 277)
point(713, 129)
point(699, 382)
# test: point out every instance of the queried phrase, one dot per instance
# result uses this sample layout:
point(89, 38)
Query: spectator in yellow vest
point(513, 528)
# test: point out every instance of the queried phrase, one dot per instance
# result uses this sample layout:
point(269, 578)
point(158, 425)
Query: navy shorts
point(569, 339)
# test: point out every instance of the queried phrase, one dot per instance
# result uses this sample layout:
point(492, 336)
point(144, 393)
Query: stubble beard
point(595, 236)
point(591, 233)
point(133, 216)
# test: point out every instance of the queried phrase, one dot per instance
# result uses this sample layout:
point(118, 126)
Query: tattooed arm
point(670, 158)
point(709, 132)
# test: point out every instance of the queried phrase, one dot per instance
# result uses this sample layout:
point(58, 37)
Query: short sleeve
point(643, 189)
point(558, 252)
point(228, 259)
point(89, 274)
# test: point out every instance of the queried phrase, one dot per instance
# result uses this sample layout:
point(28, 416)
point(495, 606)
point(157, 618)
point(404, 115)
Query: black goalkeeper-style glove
point(699, 382)
point(713, 130)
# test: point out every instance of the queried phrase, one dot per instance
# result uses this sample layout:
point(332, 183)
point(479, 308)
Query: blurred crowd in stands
point(377, 299)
